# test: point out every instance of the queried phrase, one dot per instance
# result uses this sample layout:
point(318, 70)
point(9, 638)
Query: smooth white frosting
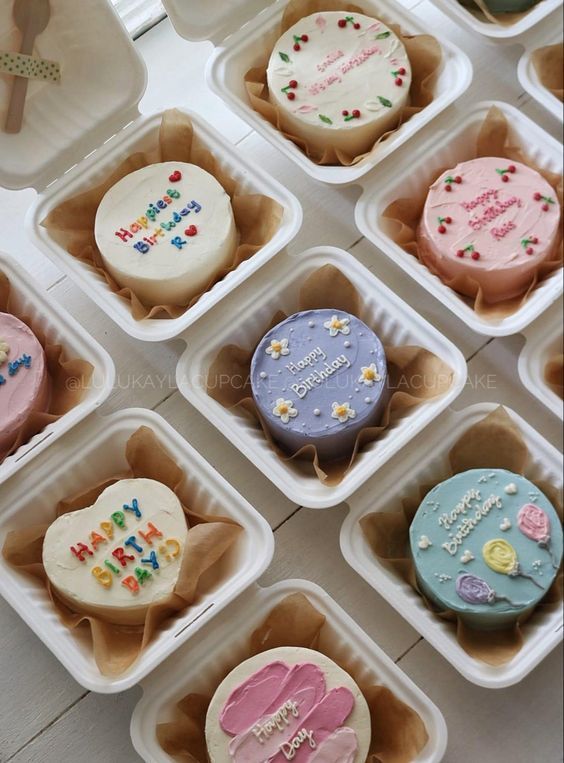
point(74, 580)
point(165, 273)
point(339, 69)
point(359, 719)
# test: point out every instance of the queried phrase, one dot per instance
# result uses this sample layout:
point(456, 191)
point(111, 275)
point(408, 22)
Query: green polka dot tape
point(20, 65)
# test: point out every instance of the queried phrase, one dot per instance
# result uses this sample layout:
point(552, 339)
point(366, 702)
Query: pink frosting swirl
point(534, 523)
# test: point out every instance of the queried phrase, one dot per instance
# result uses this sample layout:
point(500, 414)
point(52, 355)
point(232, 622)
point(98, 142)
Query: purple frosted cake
point(318, 378)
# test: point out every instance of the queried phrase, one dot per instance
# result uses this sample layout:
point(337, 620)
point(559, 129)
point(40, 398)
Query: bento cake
point(24, 380)
point(165, 231)
point(487, 544)
point(339, 80)
point(492, 221)
point(117, 557)
point(319, 378)
point(288, 704)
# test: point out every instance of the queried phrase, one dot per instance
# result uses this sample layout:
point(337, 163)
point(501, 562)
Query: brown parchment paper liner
point(424, 54)
point(483, 13)
point(403, 215)
point(495, 442)
point(257, 217)
point(554, 373)
point(415, 375)
point(398, 732)
point(68, 377)
point(549, 66)
point(116, 647)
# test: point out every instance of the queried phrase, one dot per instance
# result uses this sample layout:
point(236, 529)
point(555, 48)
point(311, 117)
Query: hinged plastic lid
point(102, 81)
point(213, 20)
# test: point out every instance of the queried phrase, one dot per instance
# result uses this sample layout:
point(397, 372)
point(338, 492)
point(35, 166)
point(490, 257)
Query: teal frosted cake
point(487, 544)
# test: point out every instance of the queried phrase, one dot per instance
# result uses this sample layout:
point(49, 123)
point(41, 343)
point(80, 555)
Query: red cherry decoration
point(342, 23)
point(535, 240)
point(460, 253)
point(545, 207)
point(402, 71)
point(356, 25)
point(448, 220)
point(305, 38)
point(458, 179)
point(512, 168)
point(356, 114)
point(291, 96)
point(529, 250)
point(191, 231)
point(537, 196)
point(345, 113)
point(398, 81)
point(475, 255)
point(297, 46)
point(441, 229)
point(448, 188)
point(175, 177)
point(293, 83)
point(505, 178)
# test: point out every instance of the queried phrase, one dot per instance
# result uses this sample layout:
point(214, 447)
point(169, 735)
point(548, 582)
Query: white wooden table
point(44, 715)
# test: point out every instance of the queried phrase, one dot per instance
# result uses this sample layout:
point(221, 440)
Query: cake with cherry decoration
point(319, 378)
point(339, 80)
point(489, 224)
point(285, 704)
point(165, 231)
point(24, 379)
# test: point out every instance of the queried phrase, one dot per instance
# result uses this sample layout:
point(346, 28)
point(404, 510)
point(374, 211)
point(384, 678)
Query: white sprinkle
point(263, 374)
point(317, 412)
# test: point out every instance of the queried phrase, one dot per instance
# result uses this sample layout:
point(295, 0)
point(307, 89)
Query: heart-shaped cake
point(117, 557)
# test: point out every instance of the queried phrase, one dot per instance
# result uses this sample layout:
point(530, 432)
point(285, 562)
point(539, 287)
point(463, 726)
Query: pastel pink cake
point(24, 382)
point(492, 221)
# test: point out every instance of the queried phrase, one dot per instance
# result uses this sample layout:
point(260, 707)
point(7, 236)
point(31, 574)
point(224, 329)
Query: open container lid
point(102, 81)
point(219, 19)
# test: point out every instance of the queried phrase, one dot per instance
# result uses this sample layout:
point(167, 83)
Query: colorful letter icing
point(487, 544)
point(288, 704)
point(489, 223)
point(102, 560)
point(319, 378)
point(339, 80)
point(165, 231)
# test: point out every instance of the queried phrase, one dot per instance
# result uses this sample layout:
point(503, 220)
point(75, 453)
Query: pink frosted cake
point(491, 221)
point(24, 383)
point(288, 704)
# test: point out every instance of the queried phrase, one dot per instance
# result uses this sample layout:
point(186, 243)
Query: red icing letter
point(121, 556)
point(152, 532)
point(124, 234)
point(131, 583)
point(82, 549)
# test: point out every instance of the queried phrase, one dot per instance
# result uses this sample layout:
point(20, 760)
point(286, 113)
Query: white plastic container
point(423, 461)
point(75, 134)
point(252, 32)
point(497, 32)
point(543, 339)
point(276, 288)
point(549, 34)
point(59, 328)
point(413, 174)
point(95, 451)
point(200, 667)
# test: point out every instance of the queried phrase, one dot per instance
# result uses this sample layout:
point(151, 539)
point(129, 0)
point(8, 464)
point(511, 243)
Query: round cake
point(24, 381)
point(487, 544)
point(165, 231)
point(117, 557)
point(288, 704)
point(492, 221)
point(319, 378)
point(339, 80)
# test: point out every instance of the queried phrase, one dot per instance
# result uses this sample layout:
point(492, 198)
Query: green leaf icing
point(285, 57)
point(325, 119)
point(382, 35)
point(385, 101)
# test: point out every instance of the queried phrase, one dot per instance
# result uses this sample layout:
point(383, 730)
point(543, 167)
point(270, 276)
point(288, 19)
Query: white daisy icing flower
point(4, 351)
point(277, 348)
point(343, 412)
point(285, 410)
point(369, 375)
point(338, 326)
